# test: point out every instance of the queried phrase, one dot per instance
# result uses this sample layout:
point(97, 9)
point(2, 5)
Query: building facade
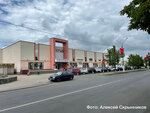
point(31, 56)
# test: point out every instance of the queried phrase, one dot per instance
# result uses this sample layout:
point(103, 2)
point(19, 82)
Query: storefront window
point(95, 65)
point(85, 65)
point(36, 65)
point(90, 59)
point(73, 65)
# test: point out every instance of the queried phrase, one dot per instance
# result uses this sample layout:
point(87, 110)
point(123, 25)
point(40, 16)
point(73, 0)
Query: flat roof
point(47, 45)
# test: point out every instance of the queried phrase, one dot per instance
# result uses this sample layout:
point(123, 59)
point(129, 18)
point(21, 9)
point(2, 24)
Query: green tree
point(113, 56)
point(139, 13)
point(135, 60)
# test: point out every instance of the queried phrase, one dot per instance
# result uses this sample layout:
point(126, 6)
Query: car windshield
point(59, 73)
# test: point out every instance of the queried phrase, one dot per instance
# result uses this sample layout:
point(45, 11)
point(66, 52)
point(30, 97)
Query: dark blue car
point(63, 75)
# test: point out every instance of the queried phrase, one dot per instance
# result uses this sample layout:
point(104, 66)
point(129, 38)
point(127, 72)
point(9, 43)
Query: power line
point(33, 29)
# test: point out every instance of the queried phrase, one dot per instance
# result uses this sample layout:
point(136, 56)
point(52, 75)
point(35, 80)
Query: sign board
point(121, 51)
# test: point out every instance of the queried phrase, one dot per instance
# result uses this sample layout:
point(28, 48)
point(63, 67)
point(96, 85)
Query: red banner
point(147, 57)
point(121, 51)
point(103, 61)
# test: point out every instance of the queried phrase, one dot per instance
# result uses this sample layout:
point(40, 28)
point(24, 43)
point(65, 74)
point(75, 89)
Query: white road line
point(54, 97)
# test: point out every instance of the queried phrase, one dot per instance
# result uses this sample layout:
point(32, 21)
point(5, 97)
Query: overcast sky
point(88, 24)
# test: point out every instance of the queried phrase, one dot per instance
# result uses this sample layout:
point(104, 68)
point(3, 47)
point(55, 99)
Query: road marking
point(54, 97)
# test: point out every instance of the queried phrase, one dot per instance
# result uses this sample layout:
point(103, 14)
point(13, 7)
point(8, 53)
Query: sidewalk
point(24, 81)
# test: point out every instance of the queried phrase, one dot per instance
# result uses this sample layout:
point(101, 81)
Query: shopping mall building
point(32, 56)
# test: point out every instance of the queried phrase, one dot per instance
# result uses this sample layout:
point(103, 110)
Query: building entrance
point(58, 55)
point(60, 66)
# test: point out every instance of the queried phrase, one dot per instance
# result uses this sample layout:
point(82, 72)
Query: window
point(85, 65)
point(90, 59)
point(95, 65)
point(36, 65)
point(31, 65)
point(73, 65)
point(79, 59)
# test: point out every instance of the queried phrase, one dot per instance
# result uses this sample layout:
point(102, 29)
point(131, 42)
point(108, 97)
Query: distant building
point(31, 56)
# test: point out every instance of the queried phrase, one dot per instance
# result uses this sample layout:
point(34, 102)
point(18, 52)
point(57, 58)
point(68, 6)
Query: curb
point(114, 73)
point(15, 89)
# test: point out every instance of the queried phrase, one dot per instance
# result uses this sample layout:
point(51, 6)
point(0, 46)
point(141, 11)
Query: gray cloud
point(87, 24)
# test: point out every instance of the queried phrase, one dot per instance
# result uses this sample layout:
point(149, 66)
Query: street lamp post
point(123, 57)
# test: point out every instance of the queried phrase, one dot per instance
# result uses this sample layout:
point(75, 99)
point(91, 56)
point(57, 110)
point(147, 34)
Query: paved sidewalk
point(24, 81)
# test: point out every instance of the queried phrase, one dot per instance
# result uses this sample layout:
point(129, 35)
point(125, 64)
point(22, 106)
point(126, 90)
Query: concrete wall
point(44, 55)
point(11, 54)
point(44, 52)
point(99, 56)
point(90, 55)
point(27, 50)
point(79, 55)
point(1, 56)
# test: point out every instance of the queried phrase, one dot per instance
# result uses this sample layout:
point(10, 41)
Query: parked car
point(63, 75)
point(98, 69)
point(91, 70)
point(106, 69)
point(119, 69)
point(83, 70)
point(112, 69)
point(75, 71)
point(128, 68)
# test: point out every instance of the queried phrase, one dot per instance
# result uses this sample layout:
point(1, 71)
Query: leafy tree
point(135, 60)
point(113, 56)
point(139, 13)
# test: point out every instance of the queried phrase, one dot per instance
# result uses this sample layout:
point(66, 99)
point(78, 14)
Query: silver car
point(84, 71)
point(98, 69)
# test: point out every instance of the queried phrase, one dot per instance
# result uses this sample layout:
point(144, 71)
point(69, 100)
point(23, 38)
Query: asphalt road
point(85, 94)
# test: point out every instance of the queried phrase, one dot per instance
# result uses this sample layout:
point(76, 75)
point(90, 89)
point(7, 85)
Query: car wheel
point(71, 78)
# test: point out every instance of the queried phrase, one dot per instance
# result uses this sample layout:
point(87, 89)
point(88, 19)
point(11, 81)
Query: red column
point(52, 53)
